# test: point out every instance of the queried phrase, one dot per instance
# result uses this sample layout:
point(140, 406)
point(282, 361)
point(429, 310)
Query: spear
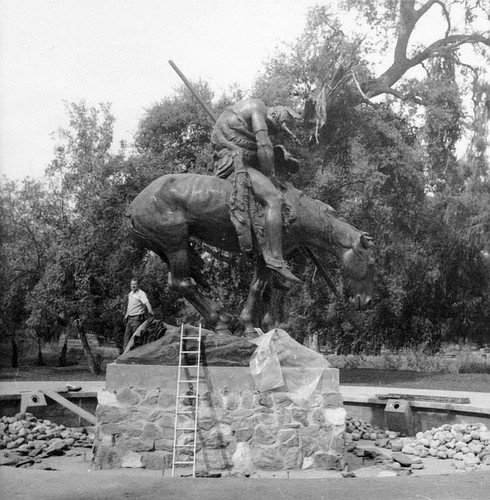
point(206, 108)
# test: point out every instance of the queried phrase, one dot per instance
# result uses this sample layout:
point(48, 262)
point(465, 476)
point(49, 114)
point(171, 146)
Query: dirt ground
point(74, 478)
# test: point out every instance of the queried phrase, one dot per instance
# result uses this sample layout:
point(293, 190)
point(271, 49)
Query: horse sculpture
point(175, 208)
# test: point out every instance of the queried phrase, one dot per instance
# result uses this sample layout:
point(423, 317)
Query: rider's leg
point(271, 198)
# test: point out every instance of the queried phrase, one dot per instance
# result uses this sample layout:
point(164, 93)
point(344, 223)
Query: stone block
point(166, 400)
point(131, 460)
point(293, 459)
point(219, 436)
point(264, 400)
point(214, 459)
point(231, 402)
point(283, 416)
point(318, 416)
point(288, 437)
point(151, 431)
point(112, 428)
point(205, 423)
point(308, 463)
point(264, 435)
point(267, 419)
point(311, 430)
point(316, 400)
point(327, 461)
point(336, 417)
point(152, 397)
point(112, 414)
point(281, 400)
point(128, 397)
point(107, 458)
point(309, 445)
point(267, 458)
point(242, 413)
point(139, 444)
point(247, 399)
point(106, 398)
point(242, 460)
point(164, 444)
point(300, 415)
point(332, 399)
point(156, 460)
point(153, 415)
point(243, 435)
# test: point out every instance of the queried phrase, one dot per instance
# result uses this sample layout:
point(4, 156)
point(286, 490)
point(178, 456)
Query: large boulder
point(216, 350)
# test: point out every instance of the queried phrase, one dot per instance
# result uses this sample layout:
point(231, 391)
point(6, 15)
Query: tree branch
point(439, 47)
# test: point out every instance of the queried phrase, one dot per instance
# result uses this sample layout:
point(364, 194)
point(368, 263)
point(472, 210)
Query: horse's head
point(358, 272)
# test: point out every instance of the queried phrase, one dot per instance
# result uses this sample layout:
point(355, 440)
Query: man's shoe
point(285, 272)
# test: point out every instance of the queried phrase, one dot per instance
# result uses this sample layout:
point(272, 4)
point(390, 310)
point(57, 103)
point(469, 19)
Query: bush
point(474, 367)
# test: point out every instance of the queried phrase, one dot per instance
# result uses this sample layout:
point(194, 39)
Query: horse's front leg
point(259, 283)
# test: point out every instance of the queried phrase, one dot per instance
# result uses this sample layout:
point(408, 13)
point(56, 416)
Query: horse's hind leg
point(260, 282)
point(181, 281)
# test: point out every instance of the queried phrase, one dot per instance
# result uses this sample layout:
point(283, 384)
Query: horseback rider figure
point(242, 147)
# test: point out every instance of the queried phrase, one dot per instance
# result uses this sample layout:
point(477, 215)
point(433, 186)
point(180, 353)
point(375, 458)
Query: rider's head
point(281, 116)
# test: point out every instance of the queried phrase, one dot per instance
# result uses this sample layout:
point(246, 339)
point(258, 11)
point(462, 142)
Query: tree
point(376, 162)
point(23, 253)
point(91, 255)
point(176, 131)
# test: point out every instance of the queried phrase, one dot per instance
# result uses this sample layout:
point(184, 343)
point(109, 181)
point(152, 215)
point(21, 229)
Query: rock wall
point(239, 428)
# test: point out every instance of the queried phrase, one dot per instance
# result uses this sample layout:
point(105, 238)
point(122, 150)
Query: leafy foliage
point(392, 168)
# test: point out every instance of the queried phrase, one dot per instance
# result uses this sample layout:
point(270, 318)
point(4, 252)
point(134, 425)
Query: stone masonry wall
point(239, 428)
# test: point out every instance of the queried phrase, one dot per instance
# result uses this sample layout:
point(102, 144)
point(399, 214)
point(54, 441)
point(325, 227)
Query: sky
point(117, 51)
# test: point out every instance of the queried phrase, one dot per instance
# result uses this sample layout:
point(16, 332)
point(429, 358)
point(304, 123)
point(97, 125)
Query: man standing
point(138, 305)
point(241, 142)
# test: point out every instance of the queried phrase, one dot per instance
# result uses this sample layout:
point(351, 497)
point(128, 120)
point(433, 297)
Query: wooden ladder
point(191, 393)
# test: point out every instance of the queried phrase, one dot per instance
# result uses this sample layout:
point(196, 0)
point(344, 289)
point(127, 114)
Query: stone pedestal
point(239, 428)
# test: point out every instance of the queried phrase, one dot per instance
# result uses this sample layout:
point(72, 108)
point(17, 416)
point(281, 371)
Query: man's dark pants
point(132, 325)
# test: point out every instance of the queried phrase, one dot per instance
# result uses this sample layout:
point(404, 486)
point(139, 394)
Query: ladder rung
point(190, 338)
point(189, 352)
point(189, 366)
point(181, 412)
point(186, 381)
point(191, 462)
point(187, 396)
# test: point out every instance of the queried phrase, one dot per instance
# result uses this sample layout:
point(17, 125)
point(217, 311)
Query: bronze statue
point(243, 148)
point(177, 207)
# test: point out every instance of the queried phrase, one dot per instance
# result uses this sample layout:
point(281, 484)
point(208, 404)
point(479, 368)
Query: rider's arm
point(265, 151)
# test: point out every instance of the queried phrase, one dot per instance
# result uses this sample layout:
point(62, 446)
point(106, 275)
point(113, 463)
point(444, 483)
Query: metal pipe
point(206, 108)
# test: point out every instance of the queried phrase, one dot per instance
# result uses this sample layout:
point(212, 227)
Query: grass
point(410, 370)
point(465, 382)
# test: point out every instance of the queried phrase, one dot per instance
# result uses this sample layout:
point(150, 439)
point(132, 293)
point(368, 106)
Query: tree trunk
point(15, 354)
point(40, 359)
point(64, 349)
point(311, 341)
point(93, 364)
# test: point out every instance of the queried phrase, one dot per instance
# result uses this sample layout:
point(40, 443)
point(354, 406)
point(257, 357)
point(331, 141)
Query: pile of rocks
point(356, 429)
point(468, 445)
point(26, 437)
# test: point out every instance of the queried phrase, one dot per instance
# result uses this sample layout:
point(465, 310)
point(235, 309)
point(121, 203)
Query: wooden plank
point(420, 397)
point(71, 406)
